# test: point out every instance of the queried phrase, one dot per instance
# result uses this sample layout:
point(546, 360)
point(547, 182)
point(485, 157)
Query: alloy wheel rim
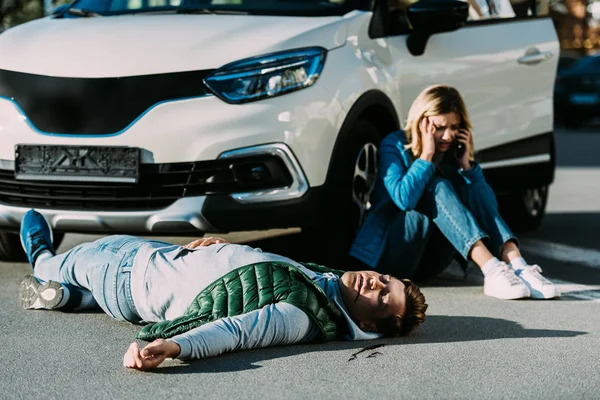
point(534, 200)
point(363, 182)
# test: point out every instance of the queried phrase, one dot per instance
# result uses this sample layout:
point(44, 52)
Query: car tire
point(350, 183)
point(11, 249)
point(524, 210)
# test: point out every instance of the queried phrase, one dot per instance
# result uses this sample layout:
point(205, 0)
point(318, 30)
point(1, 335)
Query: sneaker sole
point(35, 295)
point(503, 296)
point(538, 295)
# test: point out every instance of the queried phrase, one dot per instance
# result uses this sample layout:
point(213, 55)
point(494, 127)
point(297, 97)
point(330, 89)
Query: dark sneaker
point(36, 235)
point(36, 295)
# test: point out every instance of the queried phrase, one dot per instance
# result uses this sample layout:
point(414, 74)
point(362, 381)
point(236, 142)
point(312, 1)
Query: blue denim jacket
point(400, 183)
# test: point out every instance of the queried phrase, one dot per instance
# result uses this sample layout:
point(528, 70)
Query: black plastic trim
point(225, 214)
point(508, 179)
point(511, 179)
point(531, 146)
point(95, 106)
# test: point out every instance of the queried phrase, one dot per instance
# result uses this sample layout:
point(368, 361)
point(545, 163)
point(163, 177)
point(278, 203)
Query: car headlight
point(267, 76)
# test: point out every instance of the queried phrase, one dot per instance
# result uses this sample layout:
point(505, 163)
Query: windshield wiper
point(200, 10)
point(81, 12)
point(195, 11)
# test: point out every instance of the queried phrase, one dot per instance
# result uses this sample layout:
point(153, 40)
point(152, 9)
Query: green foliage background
point(15, 12)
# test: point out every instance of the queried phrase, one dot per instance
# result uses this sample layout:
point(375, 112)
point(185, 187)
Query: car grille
point(95, 106)
point(159, 185)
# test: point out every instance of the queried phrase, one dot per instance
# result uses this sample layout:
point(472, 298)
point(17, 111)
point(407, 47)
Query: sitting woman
point(431, 201)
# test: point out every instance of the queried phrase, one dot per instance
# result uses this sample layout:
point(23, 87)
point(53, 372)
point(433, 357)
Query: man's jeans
point(102, 267)
point(423, 242)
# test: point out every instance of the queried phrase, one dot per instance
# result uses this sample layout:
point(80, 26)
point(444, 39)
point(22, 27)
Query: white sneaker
point(504, 284)
point(540, 287)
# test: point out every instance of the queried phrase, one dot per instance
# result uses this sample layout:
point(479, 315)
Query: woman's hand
point(464, 137)
point(151, 356)
point(427, 129)
point(205, 242)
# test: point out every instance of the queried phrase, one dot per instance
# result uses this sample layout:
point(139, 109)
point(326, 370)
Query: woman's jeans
point(423, 242)
point(103, 268)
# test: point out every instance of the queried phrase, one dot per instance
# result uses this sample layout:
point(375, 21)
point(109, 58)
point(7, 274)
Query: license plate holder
point(77, 163)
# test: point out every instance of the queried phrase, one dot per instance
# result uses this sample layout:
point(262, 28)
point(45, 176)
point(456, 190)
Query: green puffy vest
point(250, 288)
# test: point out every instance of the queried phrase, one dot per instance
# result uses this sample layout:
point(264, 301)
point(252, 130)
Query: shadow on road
point(437, 329)
point(569, 151)
point(582, 295)
point(248, 360)
point(446, 329)
point(575, 229)
point(577, 237)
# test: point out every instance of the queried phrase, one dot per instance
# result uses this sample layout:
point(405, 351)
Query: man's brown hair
point(414, 315)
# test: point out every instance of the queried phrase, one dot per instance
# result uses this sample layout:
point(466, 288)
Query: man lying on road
point(212, 297)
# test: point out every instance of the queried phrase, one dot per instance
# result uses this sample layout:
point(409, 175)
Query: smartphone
point(458, 148)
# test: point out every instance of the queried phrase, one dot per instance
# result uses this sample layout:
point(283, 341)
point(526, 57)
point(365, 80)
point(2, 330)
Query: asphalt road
point(470, 347)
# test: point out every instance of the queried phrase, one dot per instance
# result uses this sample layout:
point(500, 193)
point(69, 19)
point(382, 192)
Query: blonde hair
point(434, 100)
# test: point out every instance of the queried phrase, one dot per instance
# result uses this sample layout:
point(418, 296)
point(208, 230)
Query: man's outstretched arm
point(150, 356)
point(273, 325)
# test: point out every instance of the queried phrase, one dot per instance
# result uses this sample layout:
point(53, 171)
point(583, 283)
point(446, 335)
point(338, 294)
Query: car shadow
point(567, 246)
point(582, 295)
point(569, 155)
point(436, 329)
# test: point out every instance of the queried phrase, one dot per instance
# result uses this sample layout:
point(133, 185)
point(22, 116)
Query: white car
point(179, 117)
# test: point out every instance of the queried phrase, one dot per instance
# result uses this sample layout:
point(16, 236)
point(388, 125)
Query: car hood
point(144, 44)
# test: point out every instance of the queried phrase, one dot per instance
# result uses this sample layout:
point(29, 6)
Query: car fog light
point(251, 172)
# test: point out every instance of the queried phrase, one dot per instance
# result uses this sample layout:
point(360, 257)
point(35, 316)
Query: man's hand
point(151, 356)
point(205, 242)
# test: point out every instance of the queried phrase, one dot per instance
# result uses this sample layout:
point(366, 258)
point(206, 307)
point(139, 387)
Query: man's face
point(370, 296)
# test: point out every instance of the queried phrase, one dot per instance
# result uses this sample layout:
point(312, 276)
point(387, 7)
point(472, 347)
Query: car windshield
point(256, 7)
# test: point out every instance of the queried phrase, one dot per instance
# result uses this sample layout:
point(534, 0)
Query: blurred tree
point(575, 26)
point(14, 12)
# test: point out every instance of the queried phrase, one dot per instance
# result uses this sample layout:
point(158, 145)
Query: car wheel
point(11, 249)
point(524, 210)
point(350, 184)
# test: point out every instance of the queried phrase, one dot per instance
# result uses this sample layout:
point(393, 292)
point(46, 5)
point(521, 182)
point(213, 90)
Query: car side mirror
point(428, 17)
point(60, 9)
